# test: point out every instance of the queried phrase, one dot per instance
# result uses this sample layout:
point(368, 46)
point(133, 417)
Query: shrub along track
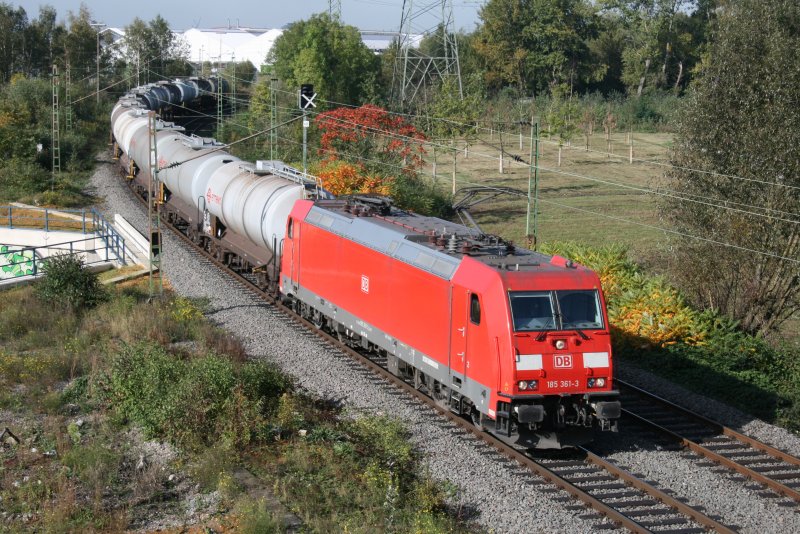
point(626, 500)
point(757, 461)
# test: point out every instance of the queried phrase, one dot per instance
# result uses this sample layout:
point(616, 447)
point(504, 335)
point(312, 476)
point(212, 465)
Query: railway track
point(777, 470)
point(625, 500)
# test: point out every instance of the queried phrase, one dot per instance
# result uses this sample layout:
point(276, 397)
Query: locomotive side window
point(474, 309)
point(289, 228)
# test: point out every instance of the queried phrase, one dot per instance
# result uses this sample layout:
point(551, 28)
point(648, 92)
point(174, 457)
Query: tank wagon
point(517, 340)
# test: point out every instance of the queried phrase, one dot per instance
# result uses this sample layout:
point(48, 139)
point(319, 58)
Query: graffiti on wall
point(15, 263)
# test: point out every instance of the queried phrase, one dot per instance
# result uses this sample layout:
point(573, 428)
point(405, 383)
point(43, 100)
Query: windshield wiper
point(578, 330)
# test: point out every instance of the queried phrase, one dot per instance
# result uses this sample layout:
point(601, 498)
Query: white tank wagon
point(236, 209)
point(252, 204)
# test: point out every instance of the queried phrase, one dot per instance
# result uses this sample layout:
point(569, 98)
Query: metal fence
point(16, 261)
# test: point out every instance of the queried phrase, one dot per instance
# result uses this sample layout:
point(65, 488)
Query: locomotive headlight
point(596, 382)
point(522, 385)
point(525, 385)
point(561, 344)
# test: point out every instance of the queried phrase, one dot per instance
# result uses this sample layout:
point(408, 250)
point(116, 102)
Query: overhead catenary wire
point(518, 159)
point(140, 70)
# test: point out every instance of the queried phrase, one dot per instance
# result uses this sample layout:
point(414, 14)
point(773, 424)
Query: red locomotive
point(517, 340)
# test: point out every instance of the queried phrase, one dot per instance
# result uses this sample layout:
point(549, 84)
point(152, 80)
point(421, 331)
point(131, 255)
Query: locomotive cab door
point(459, 308)
point(291, 250)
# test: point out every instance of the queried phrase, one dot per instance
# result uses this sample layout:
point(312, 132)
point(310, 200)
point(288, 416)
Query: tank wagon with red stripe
point(515, 339)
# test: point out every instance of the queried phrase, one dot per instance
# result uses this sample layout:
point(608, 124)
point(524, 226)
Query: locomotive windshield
point(555, 310)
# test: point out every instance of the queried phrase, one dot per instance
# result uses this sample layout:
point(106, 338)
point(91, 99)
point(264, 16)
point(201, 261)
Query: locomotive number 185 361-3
point(563, 383)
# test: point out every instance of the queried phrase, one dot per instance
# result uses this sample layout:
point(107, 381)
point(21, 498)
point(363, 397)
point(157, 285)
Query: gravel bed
point(499, 494)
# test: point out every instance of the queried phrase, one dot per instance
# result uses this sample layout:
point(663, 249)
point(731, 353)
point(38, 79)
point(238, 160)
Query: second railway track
point(774, 469)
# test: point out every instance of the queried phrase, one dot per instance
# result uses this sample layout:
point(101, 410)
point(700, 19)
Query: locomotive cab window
point(555, 310)
point(579, 309)
point(289, 227)
point(474, 309)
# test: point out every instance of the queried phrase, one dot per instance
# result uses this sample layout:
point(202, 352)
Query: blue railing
point(23, 261)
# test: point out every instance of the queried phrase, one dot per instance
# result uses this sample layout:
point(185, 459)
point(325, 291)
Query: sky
point(182, 15)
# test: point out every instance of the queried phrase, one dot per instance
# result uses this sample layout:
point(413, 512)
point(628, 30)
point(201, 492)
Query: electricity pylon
point(431, 21)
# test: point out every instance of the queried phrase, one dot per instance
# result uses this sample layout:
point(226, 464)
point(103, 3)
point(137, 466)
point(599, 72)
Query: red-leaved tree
point(367, 149)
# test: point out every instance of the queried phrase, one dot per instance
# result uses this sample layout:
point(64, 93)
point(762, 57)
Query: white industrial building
point(242, 44)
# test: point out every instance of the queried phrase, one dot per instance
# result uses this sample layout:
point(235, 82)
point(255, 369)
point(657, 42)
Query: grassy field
point(588, 198)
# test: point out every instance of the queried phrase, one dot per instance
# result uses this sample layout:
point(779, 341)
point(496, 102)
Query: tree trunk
point(680, 75)
point(641, 80)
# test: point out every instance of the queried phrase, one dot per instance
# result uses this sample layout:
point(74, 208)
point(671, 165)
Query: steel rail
point(721, 429)
point(665, 498)
point(617, 517)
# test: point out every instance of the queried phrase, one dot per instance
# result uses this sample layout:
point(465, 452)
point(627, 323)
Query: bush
point(67, 282)
point(201, 401)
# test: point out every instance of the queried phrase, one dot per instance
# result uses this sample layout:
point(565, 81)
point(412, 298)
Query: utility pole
point(273, 117)
point(233, 86)
point(154, 199)
point(219, 102)
point(97, 71)
point(56, 143)
point(68, 99)
point(412, 69)
point(535, 185)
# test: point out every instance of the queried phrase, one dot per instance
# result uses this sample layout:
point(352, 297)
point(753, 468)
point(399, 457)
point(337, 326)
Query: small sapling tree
point(67, 282)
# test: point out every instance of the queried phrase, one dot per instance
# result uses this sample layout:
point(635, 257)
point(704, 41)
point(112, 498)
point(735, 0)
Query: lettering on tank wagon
point(211, 198)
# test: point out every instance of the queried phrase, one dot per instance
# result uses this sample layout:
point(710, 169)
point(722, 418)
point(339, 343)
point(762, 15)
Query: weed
point(209, 467)
point(255, 518)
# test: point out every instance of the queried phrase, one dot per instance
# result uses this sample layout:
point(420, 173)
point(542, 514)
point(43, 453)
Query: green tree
point(80, 43)
point(13, 24)
point(152, 47)
point(42, 39)
point(739, 131)
point(661, 39)
point(329, 55)
point(535, 44)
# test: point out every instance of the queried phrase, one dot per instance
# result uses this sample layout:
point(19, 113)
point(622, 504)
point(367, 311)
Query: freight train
point(516, 340)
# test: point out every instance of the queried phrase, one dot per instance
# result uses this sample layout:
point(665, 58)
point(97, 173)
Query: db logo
point(562, 361)
point(364, 283)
